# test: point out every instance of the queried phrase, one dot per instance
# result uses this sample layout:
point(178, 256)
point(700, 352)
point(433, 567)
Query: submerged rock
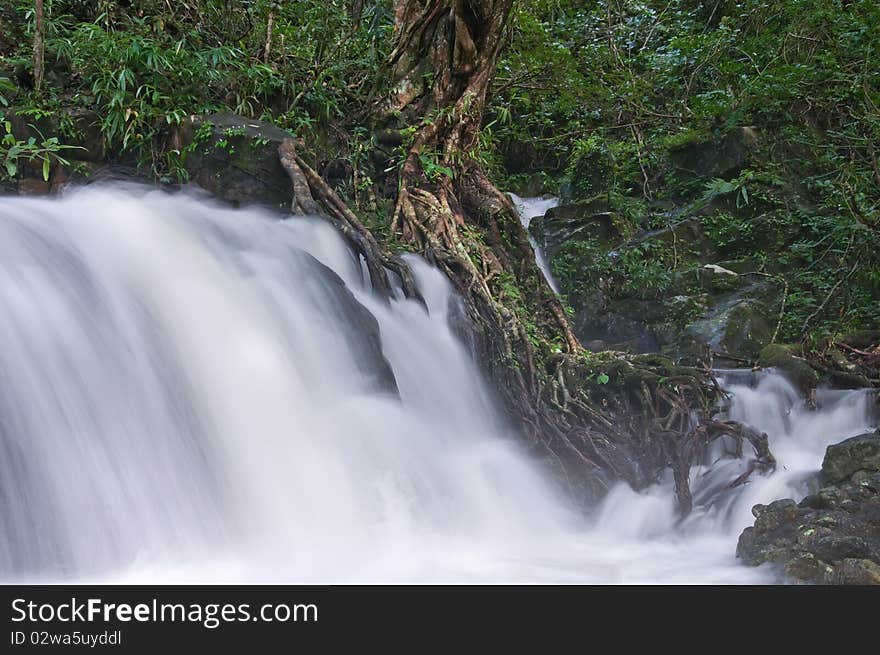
point(833, 535)
point(366, 346)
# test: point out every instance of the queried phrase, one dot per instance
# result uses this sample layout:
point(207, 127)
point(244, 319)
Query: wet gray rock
point(833, 535)
point(735, 324)
point(366, 346)
point(575, 221)
point(861, 453)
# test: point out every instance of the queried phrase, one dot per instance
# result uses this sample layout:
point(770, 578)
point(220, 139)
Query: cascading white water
point(187, 394)
point(528, 209)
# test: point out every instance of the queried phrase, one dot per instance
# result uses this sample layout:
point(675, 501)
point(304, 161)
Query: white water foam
point(185, 398)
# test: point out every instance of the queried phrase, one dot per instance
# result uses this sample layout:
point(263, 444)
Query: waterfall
point(185, 387)
point(192, 393)
point(528, 209)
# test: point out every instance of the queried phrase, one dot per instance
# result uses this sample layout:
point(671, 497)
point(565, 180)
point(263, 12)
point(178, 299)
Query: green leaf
point(45, 169)
point(603, 378)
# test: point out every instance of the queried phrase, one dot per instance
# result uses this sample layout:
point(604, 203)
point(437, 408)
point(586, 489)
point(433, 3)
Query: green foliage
point(6, 87)
point(16, 152)
point(589, 167)
point(144, 67)
point(610, 100)
point(580, 264)
point(151, 83)
point(611, 96)
point(643, 270)
point(432, 168)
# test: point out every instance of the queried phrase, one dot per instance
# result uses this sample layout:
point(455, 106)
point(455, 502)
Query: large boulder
point(577, 222)
point(833, 535)
point(236, 159)
point(723, 156)
point(796, 369)
point(861, 453)
point(737, 325)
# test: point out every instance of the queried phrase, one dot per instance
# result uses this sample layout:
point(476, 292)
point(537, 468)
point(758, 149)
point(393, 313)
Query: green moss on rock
point(794, 368)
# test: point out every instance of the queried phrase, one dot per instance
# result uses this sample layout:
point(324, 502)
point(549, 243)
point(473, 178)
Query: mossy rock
point(853, 571)
point(794, 368)
point(716, 157)
point(577, 221)
point(734, 325)
point(861, 453)
point(628, 324)
point(747, 330)
point(236, 159)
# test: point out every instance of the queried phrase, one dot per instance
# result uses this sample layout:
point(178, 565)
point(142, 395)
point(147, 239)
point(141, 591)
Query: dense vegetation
point(147, 65)
point(608, 97)
point(753, 123)
point(591, 100)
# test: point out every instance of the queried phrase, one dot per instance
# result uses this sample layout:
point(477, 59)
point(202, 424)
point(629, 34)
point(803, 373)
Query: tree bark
point(645, 415)
point(355, 11)
point(443, 59)
point(270, 24)
point(39, 48)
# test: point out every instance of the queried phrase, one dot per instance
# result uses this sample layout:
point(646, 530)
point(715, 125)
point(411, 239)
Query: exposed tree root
point(649, 415)
point(307, 185)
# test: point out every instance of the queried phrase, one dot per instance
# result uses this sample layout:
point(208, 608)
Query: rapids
point(192, 393)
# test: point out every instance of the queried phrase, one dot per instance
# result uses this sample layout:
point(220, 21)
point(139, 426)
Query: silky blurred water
point(186, 397)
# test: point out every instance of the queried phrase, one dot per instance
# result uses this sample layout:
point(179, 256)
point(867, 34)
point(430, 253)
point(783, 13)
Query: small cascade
point(528, 209)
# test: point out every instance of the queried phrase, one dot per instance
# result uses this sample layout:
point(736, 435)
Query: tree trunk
point(355, 11)
point(270, 24)
point(643, 416)
point(39, 38)
point(444, 59)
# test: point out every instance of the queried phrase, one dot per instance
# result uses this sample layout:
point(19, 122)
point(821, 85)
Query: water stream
point(528, 209)
point(191, 393)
